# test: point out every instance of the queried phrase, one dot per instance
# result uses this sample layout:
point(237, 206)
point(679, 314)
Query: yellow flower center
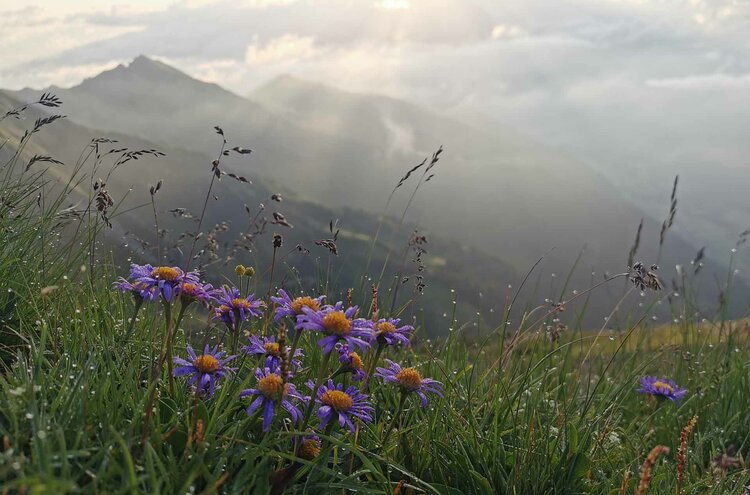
point(189, 289)
point(386, 327)
point(337, 399)
point(309, 449)
point(356, 360)
point(271, 385)
point(305, 302)
point(409, 378)
point(223, 309)
point(166, 273)
point(272, 349)
point(662, 387)
point(206, 363)
point(240, 303)
point(337, 323)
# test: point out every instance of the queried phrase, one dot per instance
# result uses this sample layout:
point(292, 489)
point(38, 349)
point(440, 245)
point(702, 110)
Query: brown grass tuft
point(648, 465)
point(682, 451)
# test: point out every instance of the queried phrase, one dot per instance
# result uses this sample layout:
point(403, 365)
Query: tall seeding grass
point(95, 397)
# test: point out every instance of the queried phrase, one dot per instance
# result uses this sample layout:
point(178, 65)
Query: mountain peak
point(140, 69)
point(142, 62)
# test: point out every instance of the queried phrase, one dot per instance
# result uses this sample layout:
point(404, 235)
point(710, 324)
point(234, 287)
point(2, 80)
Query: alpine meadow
point(398, 247)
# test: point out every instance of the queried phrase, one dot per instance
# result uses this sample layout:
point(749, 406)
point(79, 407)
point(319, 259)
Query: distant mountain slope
point(518, 196)
point(152, 100)
point(448, 264)
point(494, 190)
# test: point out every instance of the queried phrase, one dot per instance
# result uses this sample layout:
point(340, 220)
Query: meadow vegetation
point(171, 379)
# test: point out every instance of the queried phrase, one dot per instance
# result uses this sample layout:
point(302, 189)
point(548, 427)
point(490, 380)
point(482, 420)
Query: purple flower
point(231, 305)
point(195, 291)
point(273, 391)
point(334, 402)
point(351, 363)
point(409, 380)
point(286, 306)
point(336, 325)
point(268, 347)
point(204, 370)
point(309, 447)
point(661, 388)
point(388, 331)
point(131, 285)
point(150, 282)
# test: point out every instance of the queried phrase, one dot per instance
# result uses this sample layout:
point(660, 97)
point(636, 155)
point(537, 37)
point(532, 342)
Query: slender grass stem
point(395, 418)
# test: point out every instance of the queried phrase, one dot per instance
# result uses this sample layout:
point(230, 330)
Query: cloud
point(506, 31)
point(288, 48)
point(64, 76)
point(703, 82)
point(393, 4)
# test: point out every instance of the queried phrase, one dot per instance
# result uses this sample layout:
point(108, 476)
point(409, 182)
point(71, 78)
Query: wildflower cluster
point(281, 391)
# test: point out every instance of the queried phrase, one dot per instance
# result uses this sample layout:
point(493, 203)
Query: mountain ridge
point(499, 193)
point(64, 139)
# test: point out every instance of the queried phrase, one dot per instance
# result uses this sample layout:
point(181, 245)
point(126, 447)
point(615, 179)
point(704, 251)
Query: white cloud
point(393, 4)
point(33, 33)
point(63, 76)
point(288, 48)
point(507, 31)
point(703, 82)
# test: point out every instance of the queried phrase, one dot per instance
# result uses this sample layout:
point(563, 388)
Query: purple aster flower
point(132, 285)
point(335, 402)
point(661, 388)
point(151, 282)
point(268, 347)
point(351, 363)
point(271, 392)
point(195, 291)
point(336, 325)
point(231, 305)
point(309, 447)
point(286, 306)
point(388, 331)
point(204, 370)
point(409, 380)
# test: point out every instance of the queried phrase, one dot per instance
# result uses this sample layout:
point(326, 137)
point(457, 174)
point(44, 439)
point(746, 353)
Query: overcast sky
point(525, 46)
point(642, 87)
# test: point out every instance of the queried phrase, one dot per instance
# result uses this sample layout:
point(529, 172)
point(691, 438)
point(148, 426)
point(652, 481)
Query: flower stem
point(295, 342)
point(273, 264)
point(136, 309)
point(373, 363)
point(396, 415)
point(166, 350)
point(236, 333)
point(180, 315)
point(318, 382)
point(156, 373)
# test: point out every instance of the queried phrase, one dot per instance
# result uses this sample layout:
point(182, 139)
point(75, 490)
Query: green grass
point(520, 415)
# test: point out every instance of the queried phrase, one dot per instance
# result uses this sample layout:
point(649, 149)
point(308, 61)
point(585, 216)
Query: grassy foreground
point(88, 404)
